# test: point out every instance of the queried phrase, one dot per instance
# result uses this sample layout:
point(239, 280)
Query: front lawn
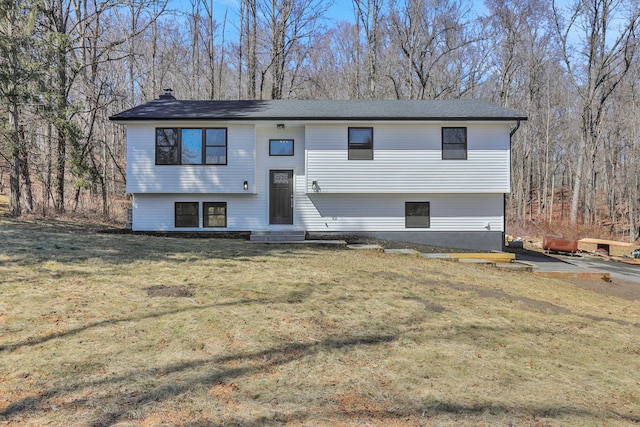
point(100, 329)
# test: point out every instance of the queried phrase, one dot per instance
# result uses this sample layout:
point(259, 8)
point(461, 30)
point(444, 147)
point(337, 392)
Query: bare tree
point(290, 26)
point(595, 65)
point(369, 15)
point(431, 36)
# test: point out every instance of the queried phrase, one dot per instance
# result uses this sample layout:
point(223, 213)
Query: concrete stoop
point(515, 266)
point(402, 252)
point(365, 247)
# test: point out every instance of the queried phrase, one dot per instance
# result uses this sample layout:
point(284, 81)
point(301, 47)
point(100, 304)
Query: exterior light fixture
point(245, 185)
point(280, 125)
point(314, 186)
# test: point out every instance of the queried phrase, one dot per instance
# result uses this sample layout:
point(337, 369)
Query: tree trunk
point(577, 186)
point(24, 170)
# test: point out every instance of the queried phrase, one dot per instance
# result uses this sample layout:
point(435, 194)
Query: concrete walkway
point(538, 263)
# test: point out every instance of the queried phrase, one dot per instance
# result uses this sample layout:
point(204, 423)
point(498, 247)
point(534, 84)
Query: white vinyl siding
point(407, 166)
point(330, 213)
point(386, 212)
point(144, 176)
point(408, 159)
point(156, 212)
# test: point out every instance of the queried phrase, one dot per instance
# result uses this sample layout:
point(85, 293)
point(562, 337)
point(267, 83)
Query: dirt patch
point(169, 291)
point(428, 305)
point(223, 391)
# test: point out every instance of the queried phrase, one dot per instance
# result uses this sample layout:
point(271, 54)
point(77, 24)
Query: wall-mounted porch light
point(314, 186)
point(245, 185)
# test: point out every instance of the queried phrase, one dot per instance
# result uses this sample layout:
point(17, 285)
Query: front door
point(281, 197)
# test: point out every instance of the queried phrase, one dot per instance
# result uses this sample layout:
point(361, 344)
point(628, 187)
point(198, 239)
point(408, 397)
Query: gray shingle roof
point(169, 108)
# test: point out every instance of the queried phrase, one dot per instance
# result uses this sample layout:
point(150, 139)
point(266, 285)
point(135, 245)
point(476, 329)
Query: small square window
point(214, 214)
point(360, 143)
point(454, 143)
point(281, 147)
point(417, 215)
point(187, 214)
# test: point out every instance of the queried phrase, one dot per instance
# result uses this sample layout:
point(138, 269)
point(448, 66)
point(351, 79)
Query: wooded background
point(573, 67)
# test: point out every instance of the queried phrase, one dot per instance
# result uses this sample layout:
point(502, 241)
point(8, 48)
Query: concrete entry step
point(492, 256)
point(402, 252)
point(365, 247)
point(278, 236)
point(514, 266)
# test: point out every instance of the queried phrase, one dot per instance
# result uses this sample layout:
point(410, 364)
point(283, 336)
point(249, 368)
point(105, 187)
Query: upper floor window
point(454, 143)
point(167, 146)
point(360, 143)
point(216, 146)
point(191, 146)
point(281, 147)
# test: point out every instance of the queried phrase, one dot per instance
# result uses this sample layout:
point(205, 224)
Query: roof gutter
point(514, 130)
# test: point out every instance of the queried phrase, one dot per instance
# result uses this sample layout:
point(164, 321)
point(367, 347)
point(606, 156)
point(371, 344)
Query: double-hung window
point(214, 214)
point(454, 143)
point(216, 146)
point(186, 214)
point(417, 215)
point(360, 143)
point(191, 146)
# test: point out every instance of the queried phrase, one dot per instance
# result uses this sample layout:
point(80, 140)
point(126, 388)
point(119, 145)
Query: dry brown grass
point(99, 329)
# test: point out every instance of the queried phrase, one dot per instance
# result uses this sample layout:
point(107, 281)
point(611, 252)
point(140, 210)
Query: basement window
point(417, 215)
point(186, 214)
point(214, 214)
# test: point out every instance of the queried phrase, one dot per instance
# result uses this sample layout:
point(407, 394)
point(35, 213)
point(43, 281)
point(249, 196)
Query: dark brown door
point(281, 197)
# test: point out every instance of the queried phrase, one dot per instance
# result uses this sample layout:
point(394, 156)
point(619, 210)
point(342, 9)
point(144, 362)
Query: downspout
point(513, 131)
point(504, 196)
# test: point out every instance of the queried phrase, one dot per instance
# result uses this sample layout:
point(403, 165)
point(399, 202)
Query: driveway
point(577, 264)
point(617, 270)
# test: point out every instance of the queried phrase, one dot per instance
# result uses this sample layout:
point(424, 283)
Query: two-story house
point(430, 172)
